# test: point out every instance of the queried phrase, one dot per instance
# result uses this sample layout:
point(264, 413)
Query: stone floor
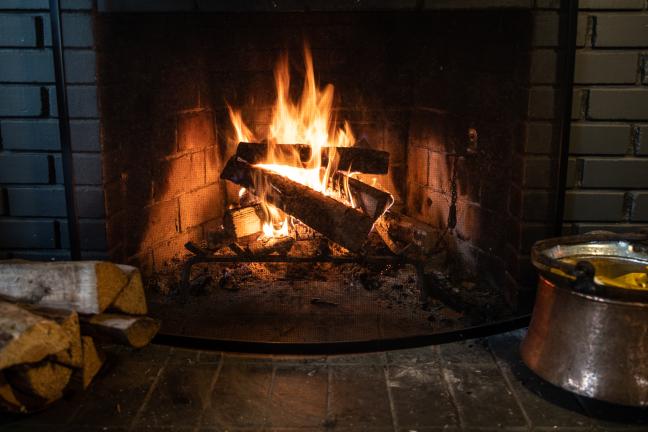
point(477, 385)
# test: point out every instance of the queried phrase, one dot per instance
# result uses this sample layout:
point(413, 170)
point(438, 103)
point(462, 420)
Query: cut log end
point(132, 299)
point(133, 331)
point(45, 380)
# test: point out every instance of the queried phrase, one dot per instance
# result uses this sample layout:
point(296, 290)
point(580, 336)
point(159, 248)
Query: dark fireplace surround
point(445, 92)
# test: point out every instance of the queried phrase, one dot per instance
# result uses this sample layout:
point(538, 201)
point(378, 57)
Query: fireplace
point(446, 92)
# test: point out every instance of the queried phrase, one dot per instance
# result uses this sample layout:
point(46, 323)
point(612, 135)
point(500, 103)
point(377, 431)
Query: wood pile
point(54, 318)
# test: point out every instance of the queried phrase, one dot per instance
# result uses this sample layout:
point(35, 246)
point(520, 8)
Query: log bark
point(357, 158)
point(84, 286)
point(45, 380)
point(243, 221)
point(336, 221)
point(69, 322)
point(26, 337)
point(93, 360)
point(371, 200)
point(407, 236)
point(133, 331)
point(132, 299)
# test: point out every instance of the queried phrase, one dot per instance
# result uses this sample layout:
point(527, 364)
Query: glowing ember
point(306, 121)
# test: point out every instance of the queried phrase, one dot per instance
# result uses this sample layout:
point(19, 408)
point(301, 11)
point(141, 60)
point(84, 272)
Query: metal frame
point(64, 130)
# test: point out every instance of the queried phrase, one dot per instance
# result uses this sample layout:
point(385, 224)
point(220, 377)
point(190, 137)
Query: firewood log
point(335, 220)
point(134, 331)
point(243, 221)
point(131, 299)
point(93, 360)
point(69, 322)
point(267, 246)
point(84, 286)
point(45, 380)
point(407, 236)
point(357, 158)
point(26, 337)
point(371, 200)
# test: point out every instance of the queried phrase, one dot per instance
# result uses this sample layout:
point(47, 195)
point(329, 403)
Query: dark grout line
point(509, 385)
point(453, 397)
point(392, 406)
point(149, 394)
point(212, 385)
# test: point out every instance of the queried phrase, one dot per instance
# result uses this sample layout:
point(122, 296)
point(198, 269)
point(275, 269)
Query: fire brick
point(17, 30)
point(538, 138)
point(20, 101)
point(30, 134)
point(615, 173)
point(606, 68)
point(198, 207)
point(24, 168)
point(621, 30)
point(621, 104)
point(611, 4)
point(640, 211)
point(196, 130)
point(180, 175)
point(612, 139)
point(545, 29)
point(90, 202)
point(418, 164)
point(27, 233)
point(543, 66)
point(594, 206)
point(87, 169)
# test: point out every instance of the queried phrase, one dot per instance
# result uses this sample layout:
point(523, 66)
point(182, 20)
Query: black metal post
point(567, 56)
point(64, 129)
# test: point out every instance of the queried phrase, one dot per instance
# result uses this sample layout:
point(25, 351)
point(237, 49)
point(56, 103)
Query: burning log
point(336, 221)
point(266, 246)
point(357, 158)
point(243, 221)
point(371, 200)
point(405, 235)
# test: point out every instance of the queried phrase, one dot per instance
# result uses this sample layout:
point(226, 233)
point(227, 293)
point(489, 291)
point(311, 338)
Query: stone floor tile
point(240, 396)
point(471, 351)
point(606, 416)
point(299, 396)
point(420, 396)
point(151, 354)
point(210, 357)
point(358, 398)
point(55, 416)
point(183, 356)
point(482, 396)
point(426, 354)
point(115, 396)
point(298, 359)
point(377, 358)
point(247, 358)
point(179, 397)
point(544, 404)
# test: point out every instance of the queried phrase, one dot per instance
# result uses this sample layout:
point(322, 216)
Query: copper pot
point(586, 337)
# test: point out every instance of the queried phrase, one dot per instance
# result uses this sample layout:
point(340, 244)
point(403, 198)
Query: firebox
point(311, 173)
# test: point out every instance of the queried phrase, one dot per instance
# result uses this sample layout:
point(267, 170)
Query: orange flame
point(308, 120)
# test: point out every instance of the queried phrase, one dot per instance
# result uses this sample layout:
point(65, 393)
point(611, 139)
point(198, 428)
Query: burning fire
point(309, 120)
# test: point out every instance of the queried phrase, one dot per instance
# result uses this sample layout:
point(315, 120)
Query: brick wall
point(609, 188)
point(32, 204)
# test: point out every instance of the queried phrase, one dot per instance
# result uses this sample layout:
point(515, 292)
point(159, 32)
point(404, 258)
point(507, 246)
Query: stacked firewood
point(54, 318)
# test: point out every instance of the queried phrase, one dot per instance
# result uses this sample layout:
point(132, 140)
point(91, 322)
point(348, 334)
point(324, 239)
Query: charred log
point(371, 200)
point(336, 221)
point(357, 158)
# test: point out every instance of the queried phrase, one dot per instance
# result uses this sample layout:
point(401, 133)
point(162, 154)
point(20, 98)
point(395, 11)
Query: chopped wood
point(243, 221)
point(335, 220)
point(134, 331)
point(84, 286)
point(93, 360)
point(26, 337)
point(405, 235)
point(267, 246)
point(131, 300)
point(45, 380)
point(357, 158)
point(69, 322)
point(371, 200)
